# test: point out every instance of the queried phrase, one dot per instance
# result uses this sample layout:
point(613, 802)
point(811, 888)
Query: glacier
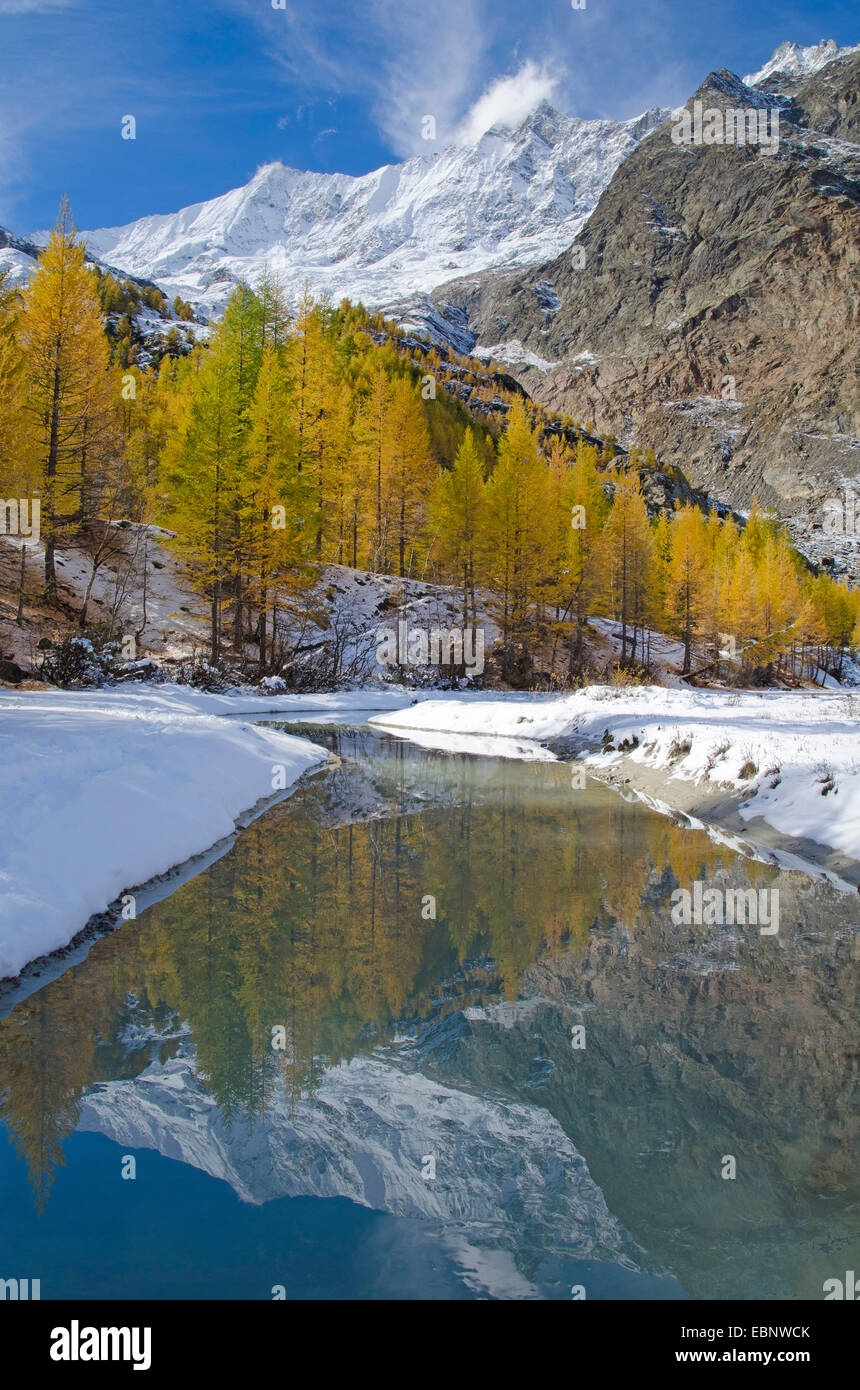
point(514, 198)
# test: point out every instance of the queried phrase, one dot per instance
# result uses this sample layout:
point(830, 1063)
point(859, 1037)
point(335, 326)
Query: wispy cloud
point(433, 65)
point(405, 61)
point(507, 101)
point(17, 131)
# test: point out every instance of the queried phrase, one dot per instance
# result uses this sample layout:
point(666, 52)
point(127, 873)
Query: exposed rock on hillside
point(709, 308)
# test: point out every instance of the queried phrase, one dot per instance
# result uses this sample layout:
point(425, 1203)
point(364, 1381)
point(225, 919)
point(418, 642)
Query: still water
point(428, 1030)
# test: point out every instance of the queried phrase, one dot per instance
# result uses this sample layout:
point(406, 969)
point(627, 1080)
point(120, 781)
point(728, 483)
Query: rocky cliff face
point(709, 308)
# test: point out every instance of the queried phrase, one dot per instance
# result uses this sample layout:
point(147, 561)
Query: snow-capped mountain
point(512, 1195)
point(15, 265)
point(794, 61)
point(516, 197)
point(17, 258)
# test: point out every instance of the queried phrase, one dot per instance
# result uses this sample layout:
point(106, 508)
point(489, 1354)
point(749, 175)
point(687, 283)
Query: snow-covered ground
point(364, 604)
point(102, 791)
point(175, 622)
point(792, 758)
point(513, 354)
point(106, 790)
point(665, 655)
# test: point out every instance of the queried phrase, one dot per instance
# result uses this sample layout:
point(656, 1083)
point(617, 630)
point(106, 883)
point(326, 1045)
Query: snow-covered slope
point(795, 61)
point(511, 1193)
point(517, 197)
point(140, 782)
point(16, 265)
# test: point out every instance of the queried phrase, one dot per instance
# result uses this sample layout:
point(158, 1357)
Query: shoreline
point(41, 970)
point(778, 772)
point(111, 786)
point(109, 789)
point(720, 810)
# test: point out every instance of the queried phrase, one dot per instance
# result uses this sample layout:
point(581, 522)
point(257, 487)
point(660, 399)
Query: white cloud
point(507, 102)
point(405, 61)
point(427, 67)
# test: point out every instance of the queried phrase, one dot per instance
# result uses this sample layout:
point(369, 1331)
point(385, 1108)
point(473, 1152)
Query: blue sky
point(219, 87)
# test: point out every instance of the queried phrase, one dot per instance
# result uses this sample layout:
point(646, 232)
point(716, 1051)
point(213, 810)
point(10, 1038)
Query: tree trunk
point(402, 536)
point(82, 619)
point(50, 477)
point(238, 629)
point(19, 617)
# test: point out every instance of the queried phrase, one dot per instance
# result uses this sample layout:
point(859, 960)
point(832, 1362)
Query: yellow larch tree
point(457, 516)
point(686, 580)
point(407, 474)
point(630, 560)
point(69, 390)
point(585, 508)
point(518, 538)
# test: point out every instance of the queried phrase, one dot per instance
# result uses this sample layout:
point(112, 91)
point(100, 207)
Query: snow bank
point(104, 790)
point(794, 756)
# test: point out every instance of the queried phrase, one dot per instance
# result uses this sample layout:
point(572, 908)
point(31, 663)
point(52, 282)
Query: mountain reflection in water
point(296, 1021)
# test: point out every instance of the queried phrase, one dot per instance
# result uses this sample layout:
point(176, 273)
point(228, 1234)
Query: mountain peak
point(794, 61)
point(544, 111)
point(544, 119)
point(517, 196)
